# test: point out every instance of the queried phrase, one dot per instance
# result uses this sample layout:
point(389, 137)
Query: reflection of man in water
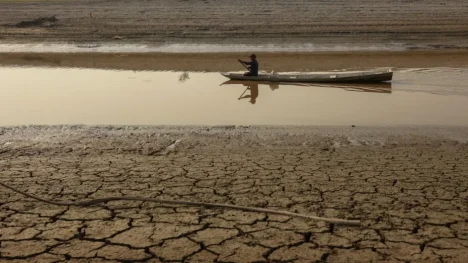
point(253, 69)
point(253, 93)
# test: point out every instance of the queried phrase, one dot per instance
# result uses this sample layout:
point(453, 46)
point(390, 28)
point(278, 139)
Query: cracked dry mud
point(408, 186)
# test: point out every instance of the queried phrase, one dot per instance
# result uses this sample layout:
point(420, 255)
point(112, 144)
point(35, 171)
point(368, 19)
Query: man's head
point(253, 57)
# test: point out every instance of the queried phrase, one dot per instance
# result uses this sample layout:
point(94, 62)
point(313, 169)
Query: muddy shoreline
point(425, 23)
point(216, 62)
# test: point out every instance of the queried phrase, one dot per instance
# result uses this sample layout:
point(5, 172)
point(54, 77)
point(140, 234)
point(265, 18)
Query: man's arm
point(245, 62)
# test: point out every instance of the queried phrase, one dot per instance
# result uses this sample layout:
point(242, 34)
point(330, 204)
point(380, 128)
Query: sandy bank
point(413, 23)
point(216, 62)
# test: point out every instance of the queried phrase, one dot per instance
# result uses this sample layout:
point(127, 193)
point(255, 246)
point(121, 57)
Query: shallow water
point(433, 96)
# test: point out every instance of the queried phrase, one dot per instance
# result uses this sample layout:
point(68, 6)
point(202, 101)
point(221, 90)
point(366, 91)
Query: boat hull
point(330, 77)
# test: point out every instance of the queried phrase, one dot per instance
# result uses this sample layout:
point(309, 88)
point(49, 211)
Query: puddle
point(434, 96)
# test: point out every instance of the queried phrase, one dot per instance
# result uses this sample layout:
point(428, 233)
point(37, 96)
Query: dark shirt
point(253, 67)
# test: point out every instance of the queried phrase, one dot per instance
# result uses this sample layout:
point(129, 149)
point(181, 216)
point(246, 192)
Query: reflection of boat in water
point(373, 76)
point(384, 87)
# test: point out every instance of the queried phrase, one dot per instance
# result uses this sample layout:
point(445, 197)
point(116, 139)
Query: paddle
point(240, 97)
point(243, 64)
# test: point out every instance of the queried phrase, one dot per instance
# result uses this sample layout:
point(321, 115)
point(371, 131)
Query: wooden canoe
point(318, 77)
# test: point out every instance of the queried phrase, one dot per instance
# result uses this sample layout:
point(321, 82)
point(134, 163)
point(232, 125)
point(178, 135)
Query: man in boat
point(253, 66)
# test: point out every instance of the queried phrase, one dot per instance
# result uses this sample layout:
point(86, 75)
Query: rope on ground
point(336, 221)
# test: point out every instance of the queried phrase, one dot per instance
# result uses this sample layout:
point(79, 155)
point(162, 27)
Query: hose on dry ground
point(336, 221)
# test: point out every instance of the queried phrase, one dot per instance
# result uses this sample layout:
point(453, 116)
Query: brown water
point(433, 96)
